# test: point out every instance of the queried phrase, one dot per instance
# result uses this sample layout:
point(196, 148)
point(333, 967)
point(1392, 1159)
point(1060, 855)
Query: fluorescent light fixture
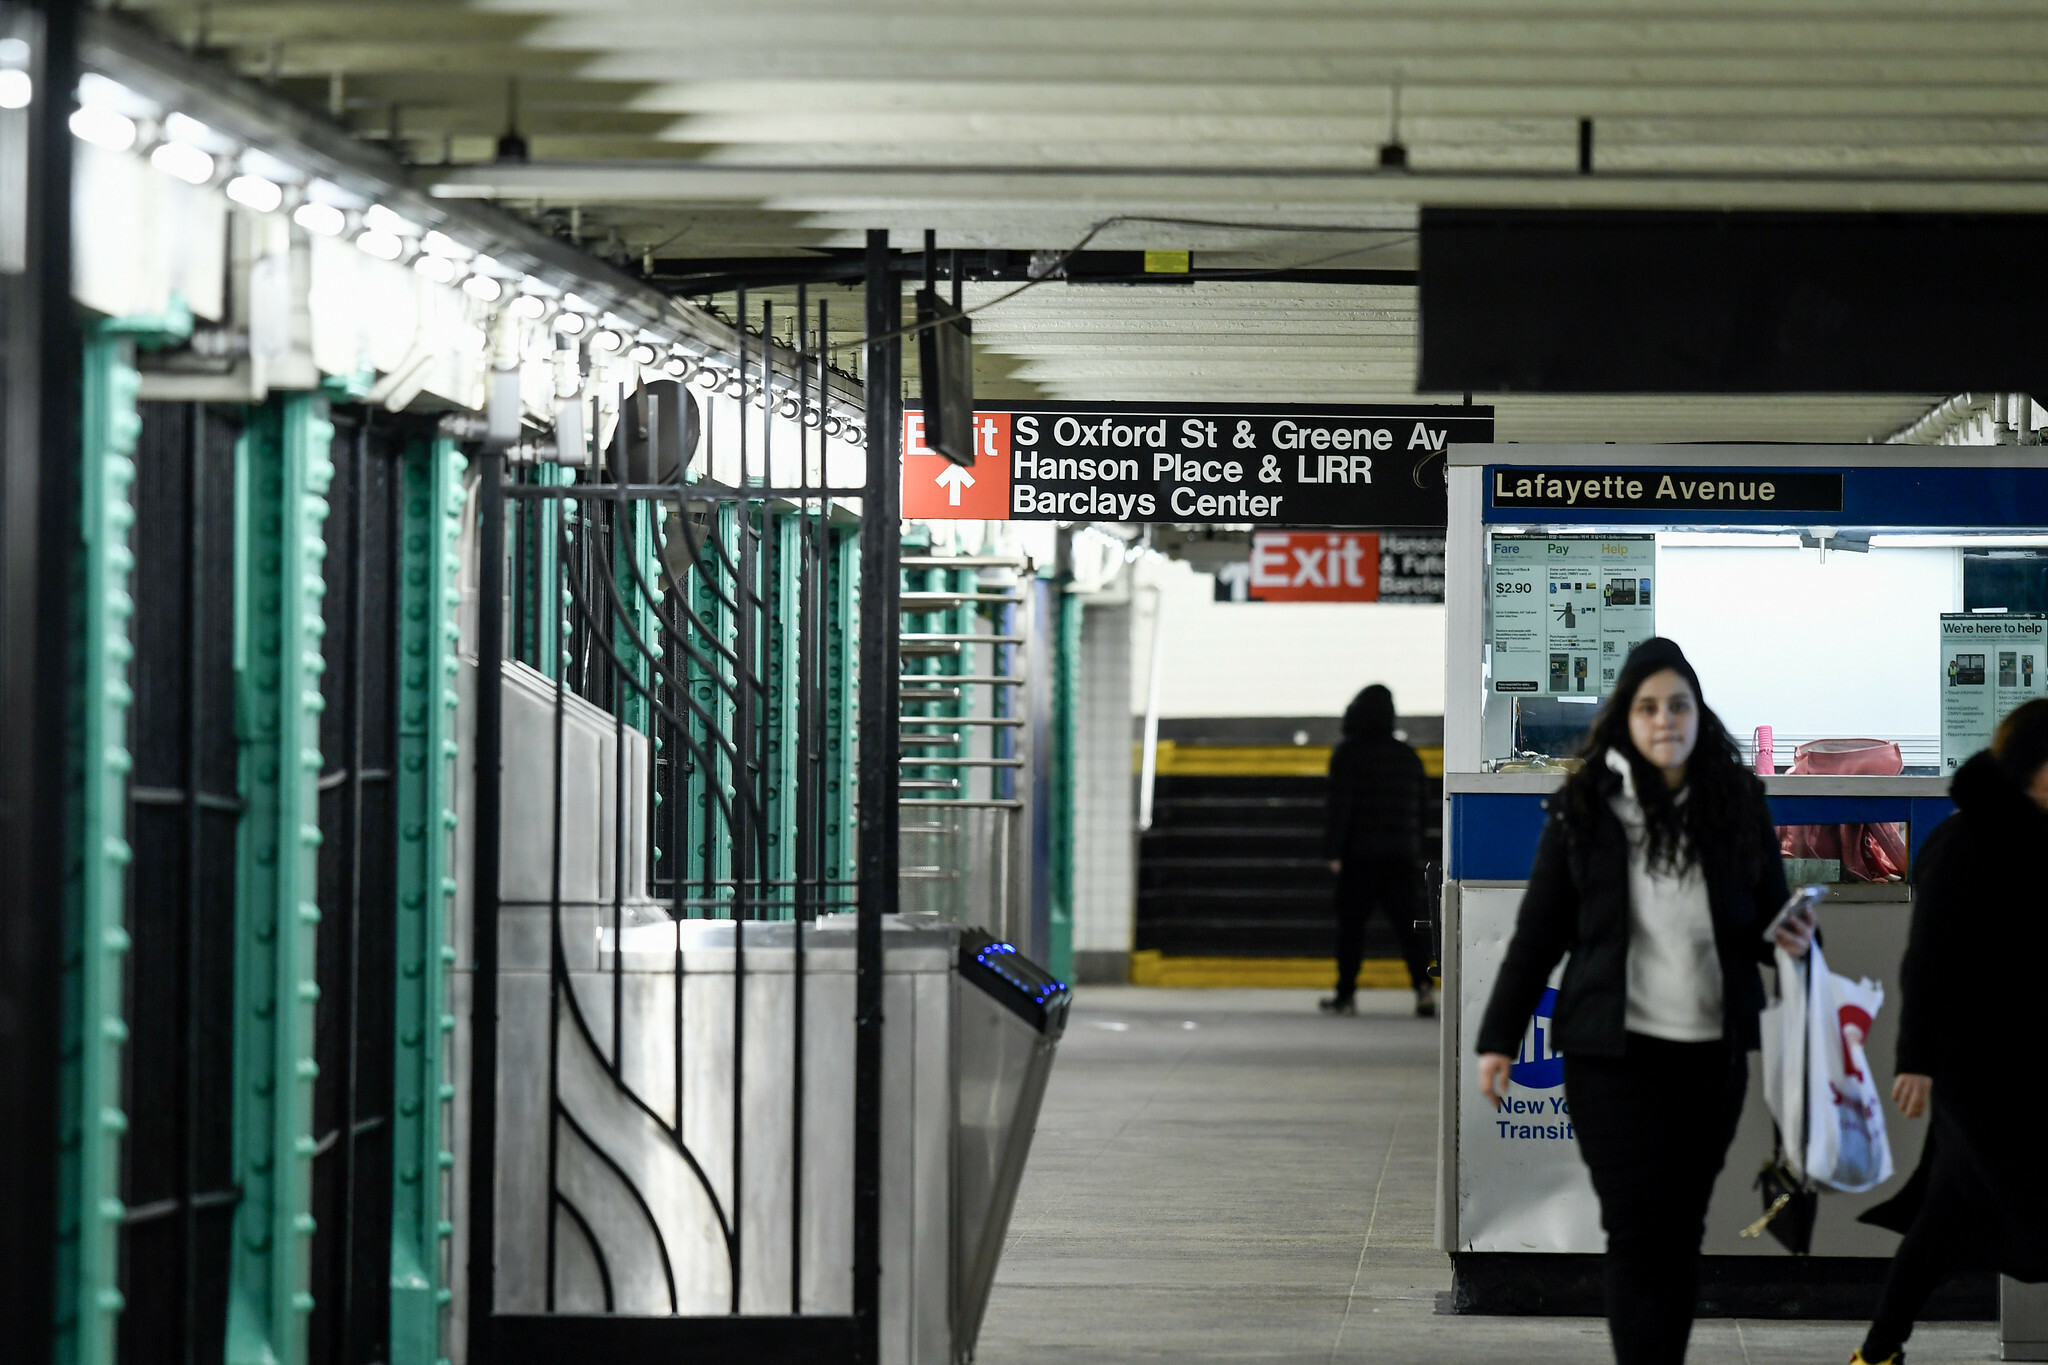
point(254, 192)
point(439, 243)
point(1726, 540)
point(607, 341)
point(527, 306)
point(256, 161)
point(377, 218)
point(324, 219)
point(93, 88)
point(182, 161)
point(439, 269)
point(184, 128)
point(483, 287)
point(570, 324)
point(1988, 540)
point(385, 246)
point(16, 89)
point(102, 127)
point(643, 354)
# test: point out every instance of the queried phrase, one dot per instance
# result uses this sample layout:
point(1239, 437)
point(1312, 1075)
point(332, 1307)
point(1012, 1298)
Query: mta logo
point(1539, 1066)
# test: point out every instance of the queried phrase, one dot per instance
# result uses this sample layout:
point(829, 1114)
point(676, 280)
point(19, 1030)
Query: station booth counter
point(1830, 593)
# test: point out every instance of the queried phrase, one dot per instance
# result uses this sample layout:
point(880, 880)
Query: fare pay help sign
point(1258, 465)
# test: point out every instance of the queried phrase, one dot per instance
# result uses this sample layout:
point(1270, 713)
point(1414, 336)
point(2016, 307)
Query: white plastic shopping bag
point(1817, 1080)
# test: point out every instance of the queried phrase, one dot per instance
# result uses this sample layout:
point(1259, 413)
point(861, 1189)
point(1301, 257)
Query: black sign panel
point(1665, 490)
point(1661, 302)
point(1249, 464)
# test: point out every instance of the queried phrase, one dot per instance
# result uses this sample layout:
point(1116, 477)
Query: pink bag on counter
point(1865, 757)
point(1868, 853)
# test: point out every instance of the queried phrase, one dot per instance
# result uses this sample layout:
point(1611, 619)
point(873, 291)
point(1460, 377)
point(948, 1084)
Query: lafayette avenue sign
point(1256, 464)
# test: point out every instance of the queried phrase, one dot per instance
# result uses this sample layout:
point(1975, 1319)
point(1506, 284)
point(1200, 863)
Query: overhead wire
point(1052, 272)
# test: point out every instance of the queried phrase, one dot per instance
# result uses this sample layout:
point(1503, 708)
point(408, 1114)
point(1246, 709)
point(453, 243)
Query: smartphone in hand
point(1802, 900)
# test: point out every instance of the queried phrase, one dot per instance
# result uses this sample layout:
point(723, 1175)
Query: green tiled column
point(431, 520)
point(282, 472)
point(842, 697)
point(96, 937)
point(784, 646)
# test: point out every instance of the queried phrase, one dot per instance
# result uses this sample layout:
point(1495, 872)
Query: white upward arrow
point(953, 478)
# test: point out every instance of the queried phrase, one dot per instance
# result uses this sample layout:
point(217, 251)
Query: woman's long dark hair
point(1718, 822)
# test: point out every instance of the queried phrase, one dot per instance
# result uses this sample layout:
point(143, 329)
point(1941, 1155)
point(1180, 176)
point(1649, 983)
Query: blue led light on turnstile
point(1040, 996)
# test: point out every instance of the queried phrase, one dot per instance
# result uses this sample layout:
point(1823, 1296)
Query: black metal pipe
point(190, 945)
point(880, 665)
point(39, 502)
point(800, 802)
point(483, 1017)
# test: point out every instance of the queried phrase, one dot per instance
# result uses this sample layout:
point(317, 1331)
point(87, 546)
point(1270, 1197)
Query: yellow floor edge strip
point(1151, 968)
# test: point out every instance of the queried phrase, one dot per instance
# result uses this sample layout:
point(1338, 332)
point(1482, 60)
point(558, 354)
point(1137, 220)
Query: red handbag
point(1868, 853)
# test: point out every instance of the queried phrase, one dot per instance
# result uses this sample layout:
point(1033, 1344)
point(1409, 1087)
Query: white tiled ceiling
point(673, 129)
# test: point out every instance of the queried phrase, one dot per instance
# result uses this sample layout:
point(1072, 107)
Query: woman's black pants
point(1654, 1127)
point(1931, 1250)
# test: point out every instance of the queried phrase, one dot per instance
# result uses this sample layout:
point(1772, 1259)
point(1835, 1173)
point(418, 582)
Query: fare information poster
point(1566, 610)
point(1990, 663)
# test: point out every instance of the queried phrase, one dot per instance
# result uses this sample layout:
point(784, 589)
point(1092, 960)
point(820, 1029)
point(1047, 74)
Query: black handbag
point(1790, 1205)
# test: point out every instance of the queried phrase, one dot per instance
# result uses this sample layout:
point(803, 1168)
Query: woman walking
point(1970, 989)
point(1656, 876)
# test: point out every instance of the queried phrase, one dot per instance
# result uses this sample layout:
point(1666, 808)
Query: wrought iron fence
point(665, 810)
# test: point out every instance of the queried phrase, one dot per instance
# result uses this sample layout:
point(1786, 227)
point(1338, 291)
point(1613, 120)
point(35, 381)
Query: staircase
point(1233, 865)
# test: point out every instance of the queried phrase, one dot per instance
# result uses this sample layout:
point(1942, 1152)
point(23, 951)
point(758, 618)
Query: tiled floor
point(1227, 1175)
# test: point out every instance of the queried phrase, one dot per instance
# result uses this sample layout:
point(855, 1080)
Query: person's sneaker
point(1895, 1358)
point(1425, 1002)
point(1337, 1004)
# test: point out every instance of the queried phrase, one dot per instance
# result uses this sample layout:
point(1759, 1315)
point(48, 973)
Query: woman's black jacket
point(1969, 1012)
point(1970, 983)
point(1578, 904)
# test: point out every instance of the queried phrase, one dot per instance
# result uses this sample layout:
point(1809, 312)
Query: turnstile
point(704, 1166)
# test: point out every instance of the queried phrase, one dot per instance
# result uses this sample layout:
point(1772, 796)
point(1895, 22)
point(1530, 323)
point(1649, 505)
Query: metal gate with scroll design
point(666, 755)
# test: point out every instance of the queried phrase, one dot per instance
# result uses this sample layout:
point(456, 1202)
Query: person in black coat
point(1655, 878)
point(1970, 988)
point(1372, 837)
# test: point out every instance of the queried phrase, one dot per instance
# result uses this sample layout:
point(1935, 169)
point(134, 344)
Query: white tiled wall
point(1105, 813)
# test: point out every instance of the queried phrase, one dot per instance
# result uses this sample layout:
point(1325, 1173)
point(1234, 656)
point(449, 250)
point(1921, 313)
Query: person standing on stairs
point(1372, 839)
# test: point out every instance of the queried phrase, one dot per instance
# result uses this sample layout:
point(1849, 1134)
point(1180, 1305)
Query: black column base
point(1832, 1288)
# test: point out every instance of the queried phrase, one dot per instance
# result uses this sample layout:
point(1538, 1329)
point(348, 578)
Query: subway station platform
point(1228, 1175)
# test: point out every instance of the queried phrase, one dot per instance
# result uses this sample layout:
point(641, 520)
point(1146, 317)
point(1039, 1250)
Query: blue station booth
point(1876, 607)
